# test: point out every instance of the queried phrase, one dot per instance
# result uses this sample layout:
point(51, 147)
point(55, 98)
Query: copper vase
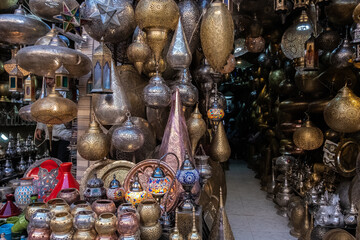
point(128, 224)
point(70, 195)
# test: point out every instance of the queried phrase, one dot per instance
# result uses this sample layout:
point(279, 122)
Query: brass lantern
point(11, 64)
point(311, 54)
point(29, 88)
point(62, 79)
point(308, 137)
point(15, 80)
point(301, 3)
point(280, 6)
point(102, 69)
point(356, 42)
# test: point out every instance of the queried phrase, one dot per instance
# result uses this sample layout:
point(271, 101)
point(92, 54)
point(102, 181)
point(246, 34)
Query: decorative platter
point(91, 171)
point(145, 168)
point(119, 168)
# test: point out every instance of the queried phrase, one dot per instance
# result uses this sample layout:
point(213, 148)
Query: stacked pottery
point(80, 207)
point(24, 191)
point(84, 222)
point(39, 226)
point(127, 226)
point(150, 227)
point(70, 195)
point(105, 226)
point(103, 206)
point(127, 207)
point(61, 225)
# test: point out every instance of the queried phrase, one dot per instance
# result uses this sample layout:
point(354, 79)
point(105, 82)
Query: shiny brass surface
point(188, 92)
point(45, 40)
point(59, 208)
point(179, 54)
point(79, 208)
point(128, 224)
point(194, 235)
point(338, 234)
point(151, 232)
point(220, 148)
point(32, 208)
point(308, 137)
point(342, 114)
point(196, 127)
point(221, 229)
point(150, 66)
point(39, 234)
point(44, 60)
point(217, 35)
point(111, 109)
point(119, 168)
point(21, 28)
point(190, 15)
point(109, 30)
point(105, 224)
point(25, 113)
point(296, 219)
point(93, 145)
point(294, 105)
point(61, 223)
point(346, 156)
point(144, 169)
point(150, 212)
point(139, 52)
point(54, 109)
point(47, 9)
point(176, 235)
point(339, 12)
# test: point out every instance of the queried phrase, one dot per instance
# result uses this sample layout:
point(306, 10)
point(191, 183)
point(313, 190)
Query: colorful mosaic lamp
point(159, 184)
point(135, 194)
point(215, 113)
point(187, 175)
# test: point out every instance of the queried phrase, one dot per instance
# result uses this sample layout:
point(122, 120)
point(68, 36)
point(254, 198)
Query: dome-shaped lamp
point(308, 137)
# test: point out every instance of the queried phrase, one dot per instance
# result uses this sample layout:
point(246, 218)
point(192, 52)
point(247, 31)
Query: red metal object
point(9, 209)
point(66, 180)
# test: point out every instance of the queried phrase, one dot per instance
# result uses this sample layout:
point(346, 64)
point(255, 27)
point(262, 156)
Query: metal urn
point(308, 137)
point(217, 35)
point(157, 94)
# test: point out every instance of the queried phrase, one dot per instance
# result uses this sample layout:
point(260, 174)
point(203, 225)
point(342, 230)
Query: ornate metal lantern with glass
point(102, 69)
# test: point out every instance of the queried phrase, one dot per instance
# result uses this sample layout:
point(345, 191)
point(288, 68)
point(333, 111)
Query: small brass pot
point(41, 219)
point(61, 223)
point(70, 195)
point(103, 206)
point(59, 208)
point(106, 224)
point(149, 211)
point(85, 220)
point(151, 232)
point(39, 234)
point(80, 207)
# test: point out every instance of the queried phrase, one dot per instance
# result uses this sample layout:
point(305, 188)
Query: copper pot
point(103, 206)
point(128, 224)
point(75, 204)
point(127, 207)
point(70, 195)
point(55, 201)
point(149, 211)
point(39, 234)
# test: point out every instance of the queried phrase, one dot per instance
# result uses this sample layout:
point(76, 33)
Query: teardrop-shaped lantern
point(176, 138)
point(308, 137)
point(179, 55)
point(93, 145)
point(157, 94)
point(190, 14)
point(220, 148)
point(217, 34)
point(196, 127)
point(188, 92)
point(127, 138)
point(342, 114)
point(139, 52)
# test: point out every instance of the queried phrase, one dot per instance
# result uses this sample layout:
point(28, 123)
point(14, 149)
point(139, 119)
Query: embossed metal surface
point(119, 168)
point(340, 12)
point(25, 113)
point(21, 29)
point(342, 114)
point(188, 92)
point(308, 137)
point(217, 35)
point(179, 55)
point(139, 52)
point(111, 32)
point(47, 9)
point(196, 127)
point(294, 38)
point(157, 94)
point(145, 169)
point(190, 17)
point(44, 60)
point(220, 148)
point(111, 109)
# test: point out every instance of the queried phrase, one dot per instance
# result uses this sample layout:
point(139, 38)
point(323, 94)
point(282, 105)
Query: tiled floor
point(251, 215)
